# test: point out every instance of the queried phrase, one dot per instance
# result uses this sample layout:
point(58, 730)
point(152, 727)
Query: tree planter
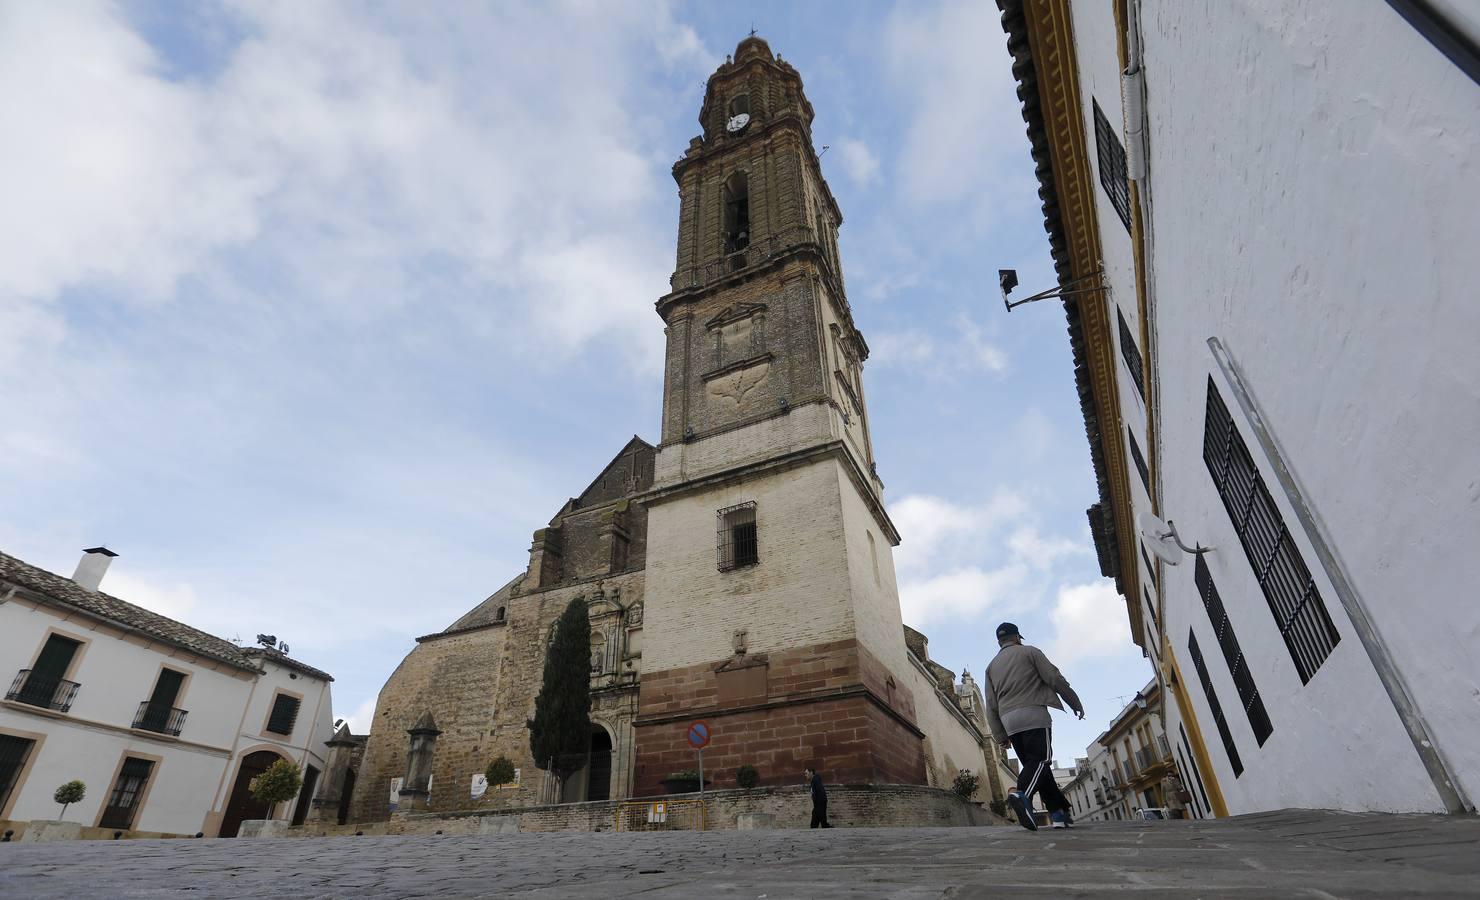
point(683, 785)
point(263, 828)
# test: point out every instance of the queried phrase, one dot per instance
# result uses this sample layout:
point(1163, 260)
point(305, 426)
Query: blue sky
point(313, 312)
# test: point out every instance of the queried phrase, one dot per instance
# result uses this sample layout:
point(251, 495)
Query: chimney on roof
point(93, 566)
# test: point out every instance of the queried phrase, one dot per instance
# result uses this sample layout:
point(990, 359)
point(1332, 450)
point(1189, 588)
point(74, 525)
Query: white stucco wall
point(87, 742)
point(1314, 183)
point(953, 746)
point(797, 595)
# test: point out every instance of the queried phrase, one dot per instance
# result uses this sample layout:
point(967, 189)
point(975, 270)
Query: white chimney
point(93, 566)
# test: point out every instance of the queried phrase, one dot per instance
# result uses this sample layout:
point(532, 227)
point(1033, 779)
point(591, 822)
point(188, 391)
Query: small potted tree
point(68, 794)
point(282, 781)
point(500, 772)
point(685, 782)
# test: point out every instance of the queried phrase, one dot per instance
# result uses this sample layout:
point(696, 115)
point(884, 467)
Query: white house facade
point(165, 724)
point(1266, 216)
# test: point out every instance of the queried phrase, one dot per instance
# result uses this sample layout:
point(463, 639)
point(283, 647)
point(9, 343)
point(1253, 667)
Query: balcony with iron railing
point(41, 690)
point(1150, 756)
point(160, 719)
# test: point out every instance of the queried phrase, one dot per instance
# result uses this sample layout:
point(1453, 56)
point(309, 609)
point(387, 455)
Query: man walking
point(1021, 685)
point(819, 799)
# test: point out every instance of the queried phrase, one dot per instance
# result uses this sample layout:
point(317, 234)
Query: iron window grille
point(160, 718)
point(284, 715)
point(1150, 607)
point(43, 690)
point(1139, 460)
point(1131, 354)
point(735, 538)
point(123, 802)
point(1112, 165)
point(1238, 667)
point(14, 751)
point(1150, 567)
point(1289, 589)
point(1218, 719)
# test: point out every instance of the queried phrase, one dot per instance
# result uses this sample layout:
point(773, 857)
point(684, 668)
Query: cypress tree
point(560, 732)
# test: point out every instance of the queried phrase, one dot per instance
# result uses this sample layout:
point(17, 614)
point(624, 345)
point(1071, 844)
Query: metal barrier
point(661, 815)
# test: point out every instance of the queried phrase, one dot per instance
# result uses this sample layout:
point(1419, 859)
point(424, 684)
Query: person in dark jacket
point(819, 799)
point(1021, 685)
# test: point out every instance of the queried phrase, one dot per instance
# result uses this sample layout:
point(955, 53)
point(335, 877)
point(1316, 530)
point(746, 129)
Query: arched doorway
point(242, 805)
point(599, 777)
point(346, 795)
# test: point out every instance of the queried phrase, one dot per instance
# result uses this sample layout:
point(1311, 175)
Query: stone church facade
point(739, 572)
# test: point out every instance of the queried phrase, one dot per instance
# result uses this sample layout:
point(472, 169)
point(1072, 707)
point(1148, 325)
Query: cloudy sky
point(314, 311)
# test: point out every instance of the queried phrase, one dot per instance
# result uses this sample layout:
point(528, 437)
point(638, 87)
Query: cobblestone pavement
point(1285, 854)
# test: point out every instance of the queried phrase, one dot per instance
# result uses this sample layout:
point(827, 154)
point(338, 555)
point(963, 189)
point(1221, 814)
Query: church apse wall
point(480, 676)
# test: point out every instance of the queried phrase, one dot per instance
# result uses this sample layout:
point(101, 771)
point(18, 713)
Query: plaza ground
point(1283, 854)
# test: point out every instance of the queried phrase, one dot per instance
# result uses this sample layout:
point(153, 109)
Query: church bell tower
point(772, 609)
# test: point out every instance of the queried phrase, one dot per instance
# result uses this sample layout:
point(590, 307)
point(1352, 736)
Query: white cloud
point(961, 595)
point(968, 350)
point(936, 532)
point(859, 162)
point(951, 66)
point(1089, 621)
point(357, 163)
point(361, 720)
point(1042, 552)
point(165, 596)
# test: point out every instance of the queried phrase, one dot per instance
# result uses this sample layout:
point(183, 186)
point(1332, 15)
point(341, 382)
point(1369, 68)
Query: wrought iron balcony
point(45, 691)
point(160, 718)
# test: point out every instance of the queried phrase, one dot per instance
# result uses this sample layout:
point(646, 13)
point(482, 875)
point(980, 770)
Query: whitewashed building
point(1263, 220)
point(165, 724)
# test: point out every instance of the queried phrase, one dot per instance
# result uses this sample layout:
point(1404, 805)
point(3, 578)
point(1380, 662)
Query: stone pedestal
point(325, 808)
point(498, 824)
point(416, 789)
point(263, 828)
point(40, 831)
point(754, 821)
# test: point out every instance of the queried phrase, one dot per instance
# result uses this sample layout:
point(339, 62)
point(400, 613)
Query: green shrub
point(965, 784)
point(747, 777)
point(68, 794)
point(282, 781)
point(500, 771)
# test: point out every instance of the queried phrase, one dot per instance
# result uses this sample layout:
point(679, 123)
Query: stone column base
point(43, 830)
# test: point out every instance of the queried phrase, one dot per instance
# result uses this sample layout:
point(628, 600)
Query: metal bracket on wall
point(1007, 279)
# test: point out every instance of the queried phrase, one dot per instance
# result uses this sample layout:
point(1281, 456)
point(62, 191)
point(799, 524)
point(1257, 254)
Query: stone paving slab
point(1294, 854)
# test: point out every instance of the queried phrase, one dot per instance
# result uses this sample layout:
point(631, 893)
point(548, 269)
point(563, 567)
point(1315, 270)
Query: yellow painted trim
point(1051, 41)
point(1194, 733)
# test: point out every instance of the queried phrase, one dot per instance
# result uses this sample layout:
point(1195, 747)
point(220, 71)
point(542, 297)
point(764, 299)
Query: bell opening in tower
point(737, 213)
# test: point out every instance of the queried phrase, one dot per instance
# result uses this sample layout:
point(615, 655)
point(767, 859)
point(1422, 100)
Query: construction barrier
point(661, 815)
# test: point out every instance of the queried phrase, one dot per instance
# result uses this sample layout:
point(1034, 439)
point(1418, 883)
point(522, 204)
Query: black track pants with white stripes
point(1033, 750)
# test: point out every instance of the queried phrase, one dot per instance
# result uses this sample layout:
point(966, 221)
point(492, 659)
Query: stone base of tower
point(780, 713)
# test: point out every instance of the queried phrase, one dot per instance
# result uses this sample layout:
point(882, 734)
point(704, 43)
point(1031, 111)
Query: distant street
point(1286, 854)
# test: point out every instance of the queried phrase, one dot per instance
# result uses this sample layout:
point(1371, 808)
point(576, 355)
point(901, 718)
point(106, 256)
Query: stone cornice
point(1050, 36)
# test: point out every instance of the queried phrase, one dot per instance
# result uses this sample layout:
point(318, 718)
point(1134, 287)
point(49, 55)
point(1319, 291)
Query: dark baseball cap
point(1007, 630)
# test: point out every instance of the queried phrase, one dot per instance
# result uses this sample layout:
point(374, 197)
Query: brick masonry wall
point(481, 688)
point(814, 710)
point(855, 806)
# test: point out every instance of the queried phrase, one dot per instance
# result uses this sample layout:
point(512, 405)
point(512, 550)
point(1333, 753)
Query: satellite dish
point(1162, 539)
point(1158, 538)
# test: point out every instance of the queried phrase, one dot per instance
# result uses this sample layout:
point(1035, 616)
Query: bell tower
point(772, 609)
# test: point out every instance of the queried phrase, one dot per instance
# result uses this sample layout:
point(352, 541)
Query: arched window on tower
point(737, 213)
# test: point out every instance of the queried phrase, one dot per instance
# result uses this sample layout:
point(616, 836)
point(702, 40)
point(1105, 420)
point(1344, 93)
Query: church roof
point(486, 613)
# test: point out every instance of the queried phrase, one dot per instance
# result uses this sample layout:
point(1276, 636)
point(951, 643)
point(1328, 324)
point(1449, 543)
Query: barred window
point(1291, 592)
point(1238, 667)
point(1131, 354)
point(1212, 696)
point(284, 714)
point(1150, 567)
point(123, 800)
point(735, 541)
point(1139, 460)
point(1151, 608)
point(1112, 165)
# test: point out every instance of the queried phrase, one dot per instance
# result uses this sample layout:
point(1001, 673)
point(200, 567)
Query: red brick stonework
point(780, 713)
